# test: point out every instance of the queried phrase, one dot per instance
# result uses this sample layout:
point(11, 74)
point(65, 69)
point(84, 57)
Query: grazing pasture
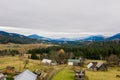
point(22, 48)
point(67, 73)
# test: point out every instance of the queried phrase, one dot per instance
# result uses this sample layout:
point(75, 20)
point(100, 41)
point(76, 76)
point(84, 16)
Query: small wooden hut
point(10, 69)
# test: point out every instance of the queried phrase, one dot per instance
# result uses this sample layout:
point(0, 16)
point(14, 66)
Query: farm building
point(73, 62)
point(79, 75)
point(10, 69)
point(50, 62)
point(26, 75)
point(101, 66)
point(54, 63)
point(92, 66)
point(2, 76)
point(46, 61)
point(95, 66)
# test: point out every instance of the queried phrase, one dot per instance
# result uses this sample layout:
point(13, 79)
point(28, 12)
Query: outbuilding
point(46, 61)
point(73, 62)
point(2, 76)
point(95, 66)
point(26, 75)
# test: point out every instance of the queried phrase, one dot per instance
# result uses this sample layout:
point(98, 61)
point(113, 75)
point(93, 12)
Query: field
point(68, 74)
point(22, 48)
point(65, 74)
point(19, 63)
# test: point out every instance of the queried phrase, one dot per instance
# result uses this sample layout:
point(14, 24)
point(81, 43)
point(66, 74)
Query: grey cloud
point(67, 16)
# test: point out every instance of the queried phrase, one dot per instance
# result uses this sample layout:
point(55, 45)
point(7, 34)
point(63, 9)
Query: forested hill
point(95, 50)
point(6, 37)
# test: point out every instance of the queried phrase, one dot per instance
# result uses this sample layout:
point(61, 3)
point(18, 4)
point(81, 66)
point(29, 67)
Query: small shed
point(119, 63)
point(73, 62)
point(92, 66)
point(54, 63)
point(46, 61)
point(101, 66)
point(79, 75)
point(2, 76)
point(10, 69)
point(26, 75)
point(37, 72)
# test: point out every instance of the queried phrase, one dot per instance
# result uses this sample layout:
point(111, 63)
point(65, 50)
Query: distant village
point(60, 59)
point(79, 74)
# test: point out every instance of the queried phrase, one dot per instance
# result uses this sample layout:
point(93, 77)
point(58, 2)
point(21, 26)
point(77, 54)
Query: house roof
point(92, 65)
point(74, 60)
point(89, 65)
point(1, 75)
point(99, 64)
point(46, 61)
point(26, 75)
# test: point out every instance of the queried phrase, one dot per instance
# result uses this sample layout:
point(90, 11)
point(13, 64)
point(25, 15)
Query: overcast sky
point(60, 18)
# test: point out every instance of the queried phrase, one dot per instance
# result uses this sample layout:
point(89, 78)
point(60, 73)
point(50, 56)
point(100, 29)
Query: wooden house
point(101, 66)
point(79, 75)
point(92, 66)
point(46, 61)
point(10, 69)
point(95, 66)
point(73, 62)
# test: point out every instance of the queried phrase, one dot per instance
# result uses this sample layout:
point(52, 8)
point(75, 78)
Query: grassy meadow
point(103, 75)
point(67, 73)
point(22, 48)
point(19, 63)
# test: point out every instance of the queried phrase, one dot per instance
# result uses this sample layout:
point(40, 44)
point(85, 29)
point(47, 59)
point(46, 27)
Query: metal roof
point(46, 61)
point(26, 75)
point(74, 60)
point(99, 64)
point(89, 65)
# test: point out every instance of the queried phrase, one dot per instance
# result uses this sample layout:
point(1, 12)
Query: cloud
point(60, 18)
point(27, 31)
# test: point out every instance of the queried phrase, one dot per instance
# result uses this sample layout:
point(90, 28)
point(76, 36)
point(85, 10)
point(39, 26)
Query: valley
point(67, 73)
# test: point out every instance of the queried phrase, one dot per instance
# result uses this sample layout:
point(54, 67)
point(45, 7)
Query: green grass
point(104, 75)
point(19, 64)
point(65, 74)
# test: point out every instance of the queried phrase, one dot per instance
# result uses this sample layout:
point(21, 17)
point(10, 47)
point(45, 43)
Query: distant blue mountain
point(6, 37)
point(94, 38)
point(89, 38)
point(35, 36)
point(114, 37)
point(3, 33)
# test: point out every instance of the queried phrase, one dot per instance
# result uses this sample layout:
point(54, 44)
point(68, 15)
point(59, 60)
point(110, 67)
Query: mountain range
point(6, 37)
point(89, 38)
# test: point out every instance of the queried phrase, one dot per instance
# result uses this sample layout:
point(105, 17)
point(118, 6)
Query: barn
point(95, 66)
point(46, 61)
point(101, 66)
point(92, 66)
point(73, 62)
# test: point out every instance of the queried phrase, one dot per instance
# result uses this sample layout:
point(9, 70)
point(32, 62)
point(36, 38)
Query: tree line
point(92, 50)
point(7, 52)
